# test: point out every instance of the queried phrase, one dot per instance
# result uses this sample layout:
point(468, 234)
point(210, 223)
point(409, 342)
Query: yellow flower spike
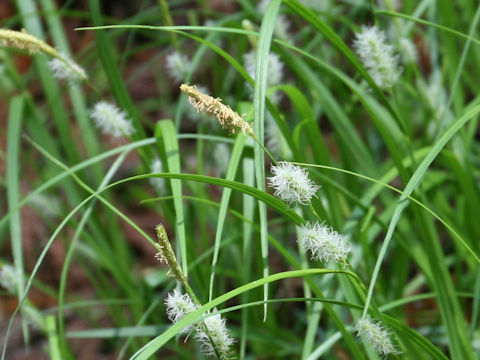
point(228, 118)
point(25, 41)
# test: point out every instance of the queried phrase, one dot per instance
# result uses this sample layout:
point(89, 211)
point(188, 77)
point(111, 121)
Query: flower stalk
point(227, 118)
point(62, 66)
point(166, 254)
point(376, 335)
point(212, 332)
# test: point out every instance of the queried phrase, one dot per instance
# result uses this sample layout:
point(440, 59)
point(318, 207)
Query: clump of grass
point(331, 104)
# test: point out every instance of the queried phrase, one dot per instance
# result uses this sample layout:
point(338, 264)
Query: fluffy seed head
point(8, 278)
point(214, 335)
point(437, 96)
point(111, 120)
point(374, 333)
point(179, 306)
point(228, 118)
point(408, 51)
point(281, 25)
point(377, 56)
point(324, 243)
point(64, 68)
point(274, 69)
point(178, 66)
point(291, 183)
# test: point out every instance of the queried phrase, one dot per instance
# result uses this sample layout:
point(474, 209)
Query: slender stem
point(275, 162)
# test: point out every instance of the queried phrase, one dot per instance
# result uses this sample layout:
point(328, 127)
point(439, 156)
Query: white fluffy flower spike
point(179, 306)
point(217, 340)
point(324, 243)
point(8, 278)
point(291, 183)
point(212, 332)
point(274, 68)
point(377, 56)
point(274, 71)
point(178, 66)
point(281, 25)
point(376, 335)
point(64, 68)
point(111, 120)
point(408, 51)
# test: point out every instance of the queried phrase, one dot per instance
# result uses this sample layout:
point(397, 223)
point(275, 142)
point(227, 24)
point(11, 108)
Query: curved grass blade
point(409, 197)
point(117, 85)
point(428, 23)
point(260, 89)
point(105, 155)
point(454, 328)
point(14, 129)
point(314, 20)
point(231, 172)
point(71, 250)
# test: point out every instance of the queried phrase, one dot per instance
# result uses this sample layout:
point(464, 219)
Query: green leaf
point(168, 146)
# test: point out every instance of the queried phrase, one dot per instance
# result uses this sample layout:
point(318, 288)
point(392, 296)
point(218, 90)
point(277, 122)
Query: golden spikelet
point(61, 65)
point(25, 41)
point(228, 118)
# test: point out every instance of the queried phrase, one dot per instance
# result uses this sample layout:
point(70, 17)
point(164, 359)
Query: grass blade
point(13, 195)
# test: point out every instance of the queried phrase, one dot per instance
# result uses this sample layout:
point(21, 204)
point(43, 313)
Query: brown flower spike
point(228, 118)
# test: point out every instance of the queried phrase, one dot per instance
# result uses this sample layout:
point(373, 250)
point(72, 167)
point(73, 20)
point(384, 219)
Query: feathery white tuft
point(111, 120)
point(324, 243)
point(64, 68)
point(179, 306)
point(374, 333)
point(274, 67)
point(157, 183)
point(281, 25)
point(274, 70)
point(8, 278)
point(178, 66)
point(408, 51)
point(291, 183)
point(377, 56)
point(437, 97)
point(217, 339)
point(212, 332)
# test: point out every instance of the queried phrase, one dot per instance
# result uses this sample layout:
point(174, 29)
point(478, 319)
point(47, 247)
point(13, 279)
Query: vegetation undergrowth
point(253, 180)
